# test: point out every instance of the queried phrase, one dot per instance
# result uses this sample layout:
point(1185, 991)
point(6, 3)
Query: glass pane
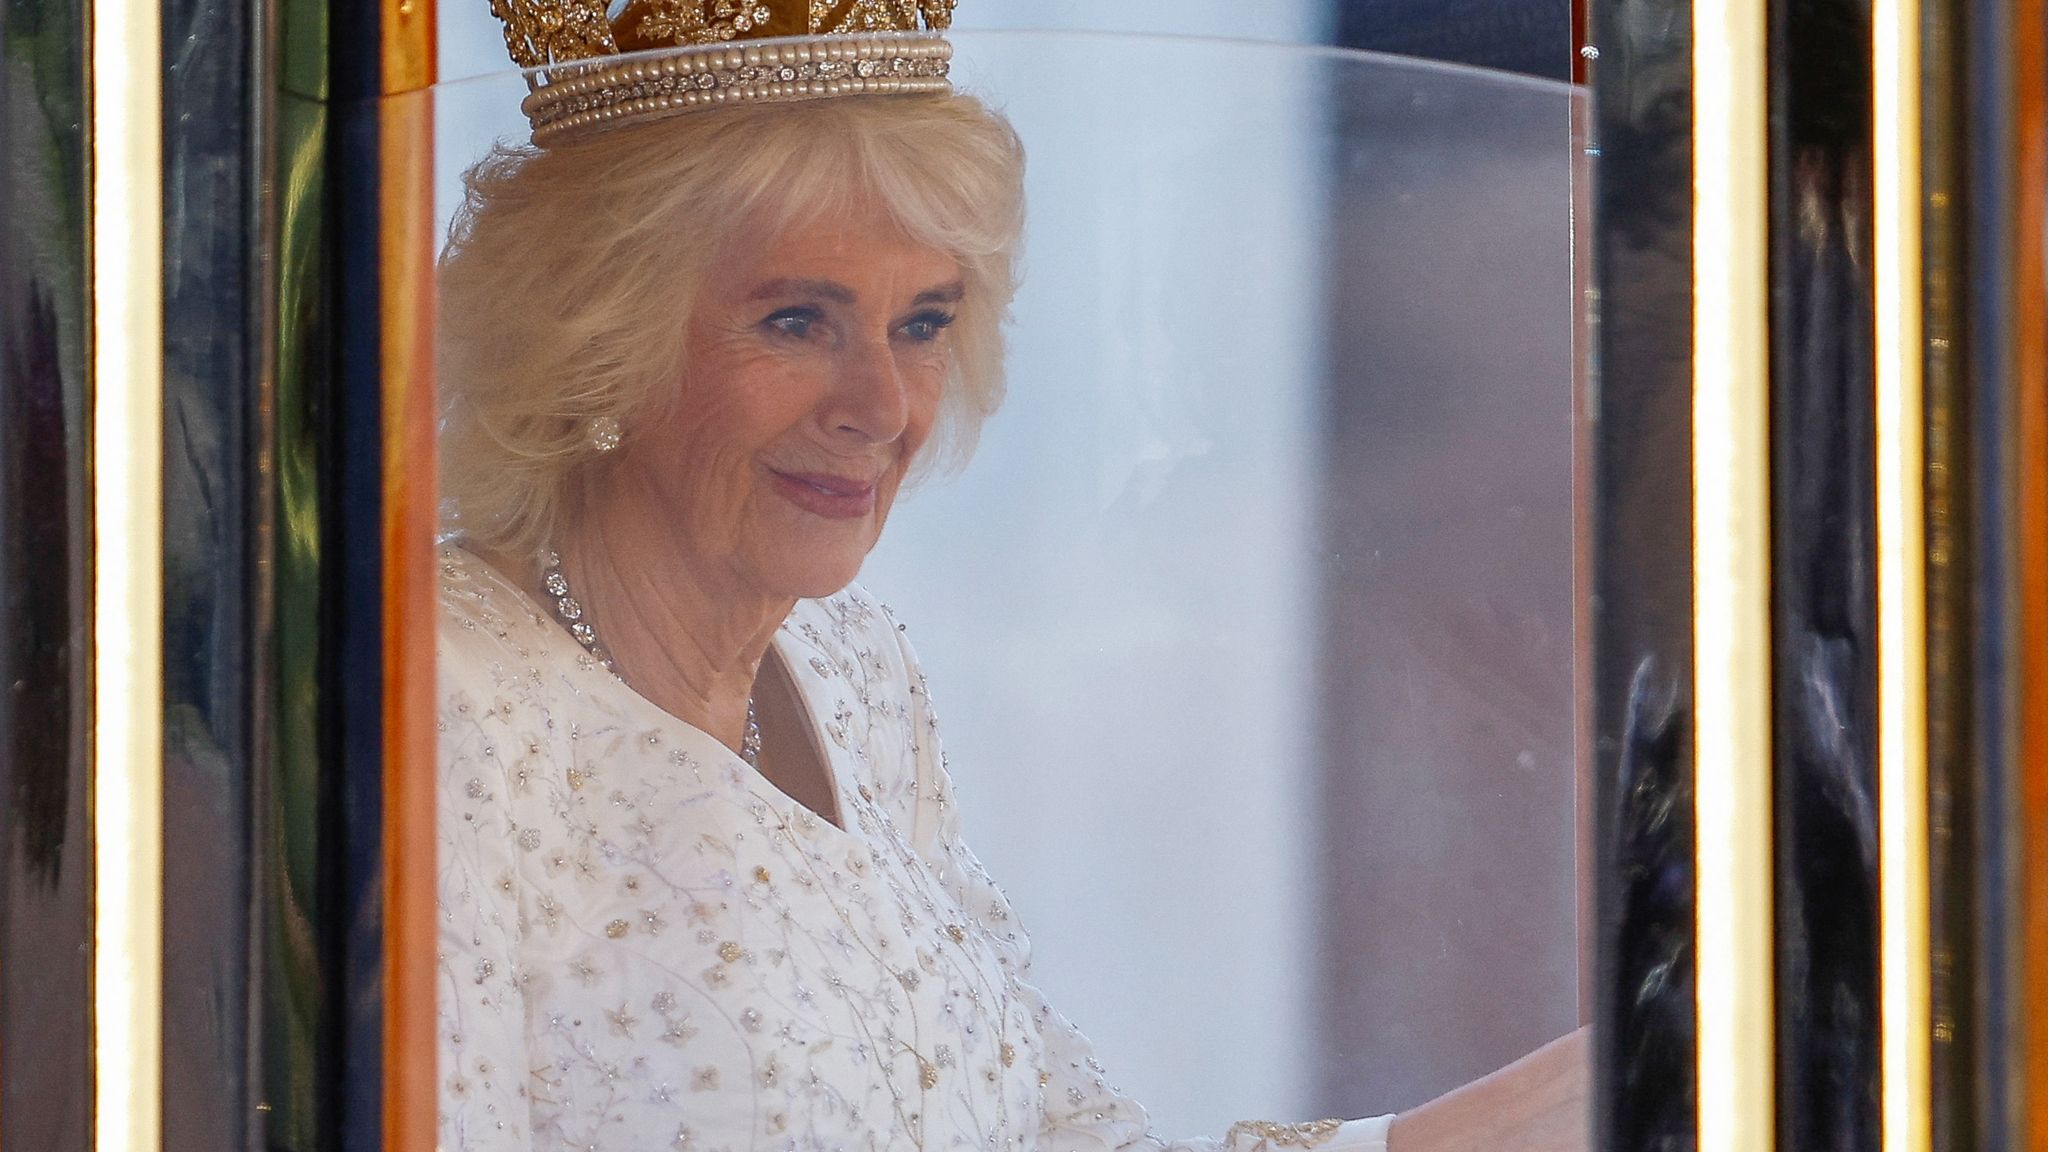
point(1250, 621)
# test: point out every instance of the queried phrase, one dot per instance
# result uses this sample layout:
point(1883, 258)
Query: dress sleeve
point(1082, 1111)
point(483, 1057)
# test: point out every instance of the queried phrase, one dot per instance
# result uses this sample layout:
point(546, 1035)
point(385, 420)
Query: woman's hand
point(1536, 1104)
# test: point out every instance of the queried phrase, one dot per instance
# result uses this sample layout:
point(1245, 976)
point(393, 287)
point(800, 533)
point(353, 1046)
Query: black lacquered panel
point(214, 600)
point(1824, 490)
point(1645, 1080)
point(1980, 60)
point(2000, 111)
point(357, 640)
point(45, 590)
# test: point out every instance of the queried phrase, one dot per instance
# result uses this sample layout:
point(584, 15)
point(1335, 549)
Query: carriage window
point(969, 611)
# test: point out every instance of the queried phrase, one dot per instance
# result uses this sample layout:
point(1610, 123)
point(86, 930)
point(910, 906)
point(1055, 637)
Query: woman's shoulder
point(855, 651)
point(491, 641)
point(858, 636)
point(480, 611)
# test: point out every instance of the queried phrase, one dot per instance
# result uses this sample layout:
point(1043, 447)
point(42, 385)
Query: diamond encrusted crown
point(730, 50)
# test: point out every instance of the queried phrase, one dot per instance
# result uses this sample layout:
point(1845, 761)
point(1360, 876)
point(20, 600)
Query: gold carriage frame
point(1959, 490)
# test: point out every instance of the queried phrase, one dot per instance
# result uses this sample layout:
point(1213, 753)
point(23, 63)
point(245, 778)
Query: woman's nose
point(871, 400)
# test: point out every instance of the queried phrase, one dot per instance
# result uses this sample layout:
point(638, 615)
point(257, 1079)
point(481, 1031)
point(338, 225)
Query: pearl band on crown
point(610, 90)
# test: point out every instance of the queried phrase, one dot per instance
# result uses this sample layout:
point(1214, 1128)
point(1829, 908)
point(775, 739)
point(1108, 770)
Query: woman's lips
point(833, 497)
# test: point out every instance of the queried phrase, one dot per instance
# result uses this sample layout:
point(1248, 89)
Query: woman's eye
point(926, 327)
point(795, 322)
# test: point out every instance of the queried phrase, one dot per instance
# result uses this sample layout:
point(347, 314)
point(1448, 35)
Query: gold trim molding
point(127, 494)
point(1731, 576)
point(1904, 963)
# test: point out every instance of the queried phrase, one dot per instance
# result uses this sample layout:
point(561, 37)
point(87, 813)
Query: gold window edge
point(1904, 961)
point(1731, 565)
point(127, 606)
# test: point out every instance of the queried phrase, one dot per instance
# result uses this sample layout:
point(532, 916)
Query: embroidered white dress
point(646, 945)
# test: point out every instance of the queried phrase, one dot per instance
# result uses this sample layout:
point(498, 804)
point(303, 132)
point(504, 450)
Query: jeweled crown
point(731, 50)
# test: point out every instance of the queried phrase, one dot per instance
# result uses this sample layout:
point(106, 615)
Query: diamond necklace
point(571, 613)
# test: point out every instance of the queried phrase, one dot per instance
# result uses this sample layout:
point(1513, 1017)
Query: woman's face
point(815, 362)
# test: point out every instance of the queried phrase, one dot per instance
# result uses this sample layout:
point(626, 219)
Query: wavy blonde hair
point(570, 271)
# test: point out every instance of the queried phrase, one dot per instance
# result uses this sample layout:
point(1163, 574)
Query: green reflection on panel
point(295, 985)
point(302, 51)
point(298, 999)
point(42, 45)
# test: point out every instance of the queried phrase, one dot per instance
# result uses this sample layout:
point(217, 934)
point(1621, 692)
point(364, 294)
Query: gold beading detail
point(1271, 1135)
point(610, 91)
point(794, 50)
point(541, 32)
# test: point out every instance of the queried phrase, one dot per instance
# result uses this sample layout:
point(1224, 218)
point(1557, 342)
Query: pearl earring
point(604, 433)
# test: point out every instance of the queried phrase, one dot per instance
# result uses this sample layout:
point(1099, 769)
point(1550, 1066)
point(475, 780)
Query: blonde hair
point(567, 282)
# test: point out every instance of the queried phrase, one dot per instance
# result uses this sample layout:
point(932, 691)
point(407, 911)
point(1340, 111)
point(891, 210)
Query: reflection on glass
point(703, 871)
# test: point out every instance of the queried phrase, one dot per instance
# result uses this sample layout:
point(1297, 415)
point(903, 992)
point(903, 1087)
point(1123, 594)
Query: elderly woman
point(701, 873)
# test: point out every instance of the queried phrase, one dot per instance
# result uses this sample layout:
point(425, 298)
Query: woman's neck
point(686, 633)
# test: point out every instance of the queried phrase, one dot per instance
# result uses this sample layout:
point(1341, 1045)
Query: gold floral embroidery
point(1270, 1135)
point(678, 898)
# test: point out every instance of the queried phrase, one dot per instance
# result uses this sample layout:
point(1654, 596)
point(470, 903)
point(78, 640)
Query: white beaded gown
point(644, 944)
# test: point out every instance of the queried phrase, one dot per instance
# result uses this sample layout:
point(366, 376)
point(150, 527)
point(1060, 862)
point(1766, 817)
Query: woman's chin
point(814, 557)
point(827, 586)
point(814, 577)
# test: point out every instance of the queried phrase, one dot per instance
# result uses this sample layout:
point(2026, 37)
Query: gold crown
point(729, 50)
